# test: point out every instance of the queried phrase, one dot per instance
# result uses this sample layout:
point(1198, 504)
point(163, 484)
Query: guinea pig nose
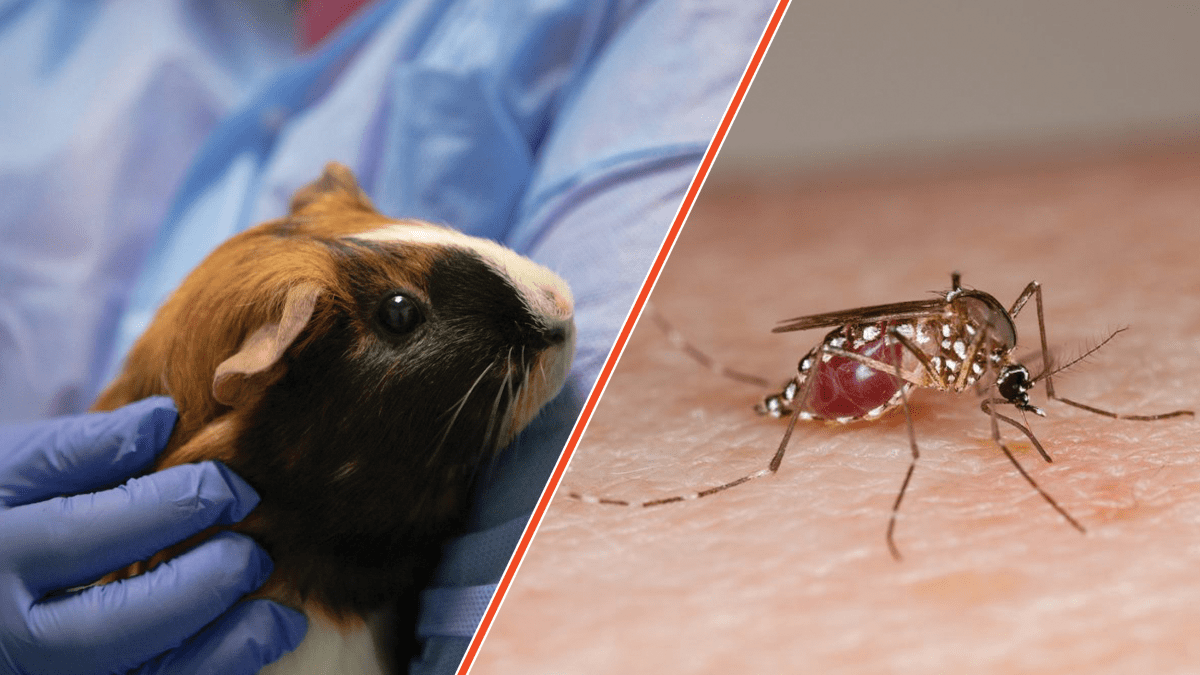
point(552, 333)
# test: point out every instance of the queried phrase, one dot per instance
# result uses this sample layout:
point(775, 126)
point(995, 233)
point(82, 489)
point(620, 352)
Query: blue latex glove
point(183, 616)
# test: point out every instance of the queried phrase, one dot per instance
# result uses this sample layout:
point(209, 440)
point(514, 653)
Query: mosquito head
point(1014, 384)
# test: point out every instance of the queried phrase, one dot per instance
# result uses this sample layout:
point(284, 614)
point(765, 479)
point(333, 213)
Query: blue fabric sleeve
point(102, 107)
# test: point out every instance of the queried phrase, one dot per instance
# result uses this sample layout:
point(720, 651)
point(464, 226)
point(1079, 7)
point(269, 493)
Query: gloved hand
point(183, 616)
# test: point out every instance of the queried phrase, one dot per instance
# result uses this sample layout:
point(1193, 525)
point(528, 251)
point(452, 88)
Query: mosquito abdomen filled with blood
point(842, 387)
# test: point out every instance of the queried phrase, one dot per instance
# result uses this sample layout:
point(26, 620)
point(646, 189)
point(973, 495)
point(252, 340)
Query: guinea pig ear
point(336, 185)
point(256, 365)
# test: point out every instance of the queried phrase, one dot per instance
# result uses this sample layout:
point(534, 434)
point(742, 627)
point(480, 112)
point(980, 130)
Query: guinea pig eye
point(399, 314)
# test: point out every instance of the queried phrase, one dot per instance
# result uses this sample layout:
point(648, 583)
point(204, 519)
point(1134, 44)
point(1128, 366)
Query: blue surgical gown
point(135, 136)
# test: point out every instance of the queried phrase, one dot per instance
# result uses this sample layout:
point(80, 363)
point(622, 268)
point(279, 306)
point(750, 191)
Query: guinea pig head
point(357, 371)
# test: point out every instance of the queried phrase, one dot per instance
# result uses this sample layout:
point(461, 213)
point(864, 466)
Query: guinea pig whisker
point(496, 428)
point(500, 422)
point(454, 416)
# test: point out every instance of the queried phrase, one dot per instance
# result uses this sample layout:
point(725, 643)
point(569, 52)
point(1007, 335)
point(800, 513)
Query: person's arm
point(791, 571)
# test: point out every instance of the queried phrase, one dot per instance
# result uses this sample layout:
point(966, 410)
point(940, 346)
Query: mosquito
point(869, 363)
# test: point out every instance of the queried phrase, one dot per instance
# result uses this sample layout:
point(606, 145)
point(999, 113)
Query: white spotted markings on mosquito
point(875, 356)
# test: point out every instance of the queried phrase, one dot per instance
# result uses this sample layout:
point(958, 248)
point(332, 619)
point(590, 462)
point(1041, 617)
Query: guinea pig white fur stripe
point(547, 293)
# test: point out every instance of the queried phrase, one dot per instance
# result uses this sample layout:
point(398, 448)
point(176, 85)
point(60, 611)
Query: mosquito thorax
point(1014, 384)
point(984, 312)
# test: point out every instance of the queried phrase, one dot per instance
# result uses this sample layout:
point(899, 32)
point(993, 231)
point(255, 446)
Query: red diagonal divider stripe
point(614, 356)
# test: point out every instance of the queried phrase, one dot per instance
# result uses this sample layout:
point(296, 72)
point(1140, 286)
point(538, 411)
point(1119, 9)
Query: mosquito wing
point(896, 311)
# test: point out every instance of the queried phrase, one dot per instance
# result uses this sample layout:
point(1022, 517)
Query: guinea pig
point(357, 371)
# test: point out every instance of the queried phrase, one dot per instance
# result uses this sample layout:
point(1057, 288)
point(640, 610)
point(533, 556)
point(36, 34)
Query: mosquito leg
point(912, 432)
point(912, 466)
point(1035, 289)
point(1122, 416)
point(1020, 469)
point(678, 341)
point(932, 373)
point(777, 460)
point(772, 467)
point(986, 406)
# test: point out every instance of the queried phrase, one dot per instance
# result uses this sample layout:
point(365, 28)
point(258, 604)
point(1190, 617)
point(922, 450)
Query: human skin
point(791, 572)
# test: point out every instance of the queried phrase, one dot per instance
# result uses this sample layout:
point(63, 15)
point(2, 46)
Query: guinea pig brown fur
point(356, 371)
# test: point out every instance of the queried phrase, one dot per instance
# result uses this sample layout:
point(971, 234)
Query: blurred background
point(871, 82)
